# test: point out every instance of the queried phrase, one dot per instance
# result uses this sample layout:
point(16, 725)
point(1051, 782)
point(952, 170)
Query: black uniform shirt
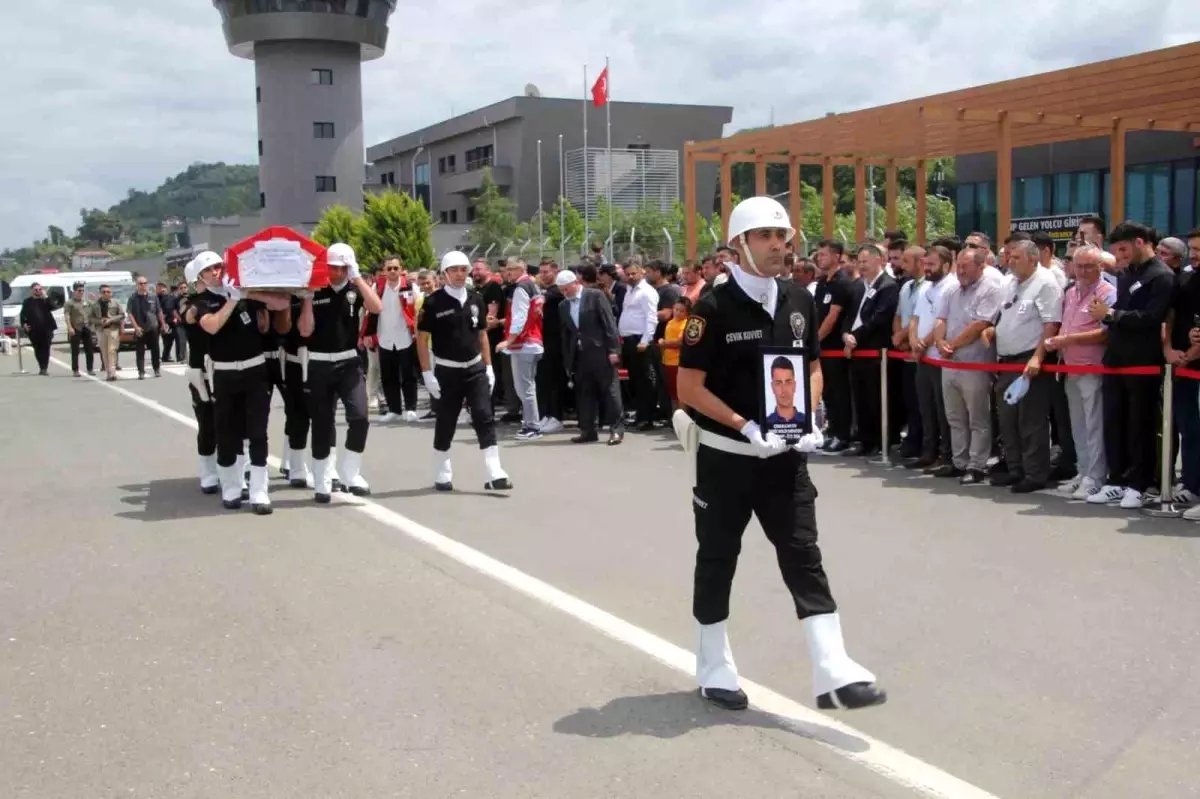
point(838, 290)
point(197, 339)
point(335, 319)
point(239, 339)
point(1186, 306)
point(723, 337)
point(293, 341)
point(453, 328)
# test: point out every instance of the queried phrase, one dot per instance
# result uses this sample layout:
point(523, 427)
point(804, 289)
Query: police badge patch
point(474, 316)
point(797, 322)
point(694, 330)
point(351, 296)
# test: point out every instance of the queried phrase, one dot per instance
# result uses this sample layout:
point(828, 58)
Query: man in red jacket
point(392, 332)
point(523, 344)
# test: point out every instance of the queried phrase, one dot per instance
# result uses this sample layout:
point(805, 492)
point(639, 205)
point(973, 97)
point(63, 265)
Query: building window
point(1148, 194)
point(422, 174)
point(446, 165)
point(326, 183)
point(442, 166)
point(322, 77)
point(470, 213)
point(445, 217)
point(260, 149)
point(454, 217)
point(262, 199)
point(322, 130)
point(1030, 197)
point(258, 94)
point(479, 157)
point(638, 147)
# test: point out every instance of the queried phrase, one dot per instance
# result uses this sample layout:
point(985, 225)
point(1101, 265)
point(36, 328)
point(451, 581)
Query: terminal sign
point(1060, 228)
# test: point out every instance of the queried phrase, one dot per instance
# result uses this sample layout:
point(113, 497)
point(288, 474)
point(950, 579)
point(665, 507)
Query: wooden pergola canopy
point(1159, 90)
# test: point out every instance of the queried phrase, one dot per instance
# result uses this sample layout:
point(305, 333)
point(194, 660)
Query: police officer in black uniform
point(295, 403)
point(198, 385)
point(456, 365)
point(329, 320)
point(740, 471)
point(242, 399)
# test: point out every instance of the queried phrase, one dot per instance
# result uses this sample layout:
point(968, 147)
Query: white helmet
point(455, 258)
point(755, 213)
point(204, 260)
point(340, 255)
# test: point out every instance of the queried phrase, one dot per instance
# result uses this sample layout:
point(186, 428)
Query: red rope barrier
point(1053, 368)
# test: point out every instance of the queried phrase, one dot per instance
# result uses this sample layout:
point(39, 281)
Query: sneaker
point(410, 416)
point(1106, 495)
point(1070, 488)
point(390, 418)
point(1087, 486)
point(551, 425)
point(1133, 499)
point(528, 434)
point(1192, 514)
point(1181, 496)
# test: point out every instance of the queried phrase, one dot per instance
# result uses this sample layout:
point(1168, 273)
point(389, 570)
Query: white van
point(58, 290)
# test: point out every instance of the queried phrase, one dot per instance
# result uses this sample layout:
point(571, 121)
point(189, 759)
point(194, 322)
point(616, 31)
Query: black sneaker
point(948, 470)
point(972, 477)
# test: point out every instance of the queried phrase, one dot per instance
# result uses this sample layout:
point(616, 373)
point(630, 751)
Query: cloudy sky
point(106, 95)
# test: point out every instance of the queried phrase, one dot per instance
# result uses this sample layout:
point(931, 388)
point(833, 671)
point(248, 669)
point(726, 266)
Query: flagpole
point(587, 202)
point(612, 245)
point(541, 208)
point(562, 207)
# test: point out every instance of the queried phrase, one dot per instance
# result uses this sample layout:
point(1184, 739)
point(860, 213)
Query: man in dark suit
point(591, 350)
point(869, 327)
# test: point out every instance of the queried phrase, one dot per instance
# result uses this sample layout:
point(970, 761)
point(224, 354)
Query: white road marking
point(883, 759)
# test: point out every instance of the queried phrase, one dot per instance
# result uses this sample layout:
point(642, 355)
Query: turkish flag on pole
point(600, 89)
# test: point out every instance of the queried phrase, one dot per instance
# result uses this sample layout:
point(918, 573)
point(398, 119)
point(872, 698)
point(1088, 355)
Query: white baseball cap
point(565, 278)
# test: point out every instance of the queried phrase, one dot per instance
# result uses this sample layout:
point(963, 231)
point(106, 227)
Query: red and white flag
point(600, 89)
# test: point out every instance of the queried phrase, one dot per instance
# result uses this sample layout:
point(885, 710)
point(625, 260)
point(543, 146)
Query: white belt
point(272, 355)
point(237, 366)
point(457, 364)
point(718, 442)
point(294, 358)
point(333, 357)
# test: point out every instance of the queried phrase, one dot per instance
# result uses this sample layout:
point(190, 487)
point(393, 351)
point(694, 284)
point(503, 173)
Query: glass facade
point(1165, 195)
point(377, 10)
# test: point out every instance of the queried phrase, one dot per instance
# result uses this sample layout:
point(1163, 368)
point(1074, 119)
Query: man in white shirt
point(395, 329)
point(935, 429)
point(636, 326)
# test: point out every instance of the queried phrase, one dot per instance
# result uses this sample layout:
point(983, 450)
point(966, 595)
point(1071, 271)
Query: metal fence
point(637, 178)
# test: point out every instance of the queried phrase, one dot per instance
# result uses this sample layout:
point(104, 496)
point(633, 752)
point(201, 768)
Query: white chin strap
point(749, 265)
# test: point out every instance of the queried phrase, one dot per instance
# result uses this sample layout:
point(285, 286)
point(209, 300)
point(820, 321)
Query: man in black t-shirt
point(456, 363)
point(329, 320)
point(835, 297)
point(742, 471)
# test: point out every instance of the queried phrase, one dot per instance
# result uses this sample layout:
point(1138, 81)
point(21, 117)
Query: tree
point(338, 223)
point(495, 218)
point(564, 225)
point(395, 224)
point(57, 239)
point(99, 227)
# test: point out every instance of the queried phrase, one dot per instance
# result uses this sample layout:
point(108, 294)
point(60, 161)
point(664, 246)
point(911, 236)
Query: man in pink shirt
point(1080, 342)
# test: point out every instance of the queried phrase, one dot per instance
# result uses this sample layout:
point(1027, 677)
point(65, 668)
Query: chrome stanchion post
point(20, 359)
point(1166, 506)
point(883, 407)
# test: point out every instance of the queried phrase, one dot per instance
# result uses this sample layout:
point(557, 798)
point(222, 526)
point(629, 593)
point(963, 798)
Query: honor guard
point(329, 320)
point(241, 393)
point(295, 404)
point(273, 351)
point(740, 471)
point(456, 364)
point(198, 385)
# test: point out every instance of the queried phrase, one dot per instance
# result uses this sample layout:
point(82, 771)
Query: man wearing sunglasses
point(391, 332)
point(145, 311)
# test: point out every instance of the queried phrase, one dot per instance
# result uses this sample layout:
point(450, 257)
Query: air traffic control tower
point(308, 58)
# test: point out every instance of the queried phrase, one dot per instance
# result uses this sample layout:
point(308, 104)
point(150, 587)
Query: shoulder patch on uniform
point(694, 330)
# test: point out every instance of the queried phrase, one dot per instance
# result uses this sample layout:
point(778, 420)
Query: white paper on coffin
point(277, 263)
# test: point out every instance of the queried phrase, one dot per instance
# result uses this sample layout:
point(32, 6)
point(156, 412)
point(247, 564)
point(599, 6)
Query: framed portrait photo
point(785, 407)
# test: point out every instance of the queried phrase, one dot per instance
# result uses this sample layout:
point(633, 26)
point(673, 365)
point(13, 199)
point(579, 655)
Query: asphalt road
point(155, 645)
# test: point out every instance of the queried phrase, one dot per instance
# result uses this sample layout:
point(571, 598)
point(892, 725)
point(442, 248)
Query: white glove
point(764, 447)
point(432, 385)
point(810, 443)
point(231, 291)
point(491, 378)
point(352, 272)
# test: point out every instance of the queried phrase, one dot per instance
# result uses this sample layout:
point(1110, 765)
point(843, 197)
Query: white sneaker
point(1070, 488)
point(1087, 486)
point(390, 418)
point(1192, 514)
point(551, 425)
point(410, 417)
point(1133, 499)
point(1106, 495)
